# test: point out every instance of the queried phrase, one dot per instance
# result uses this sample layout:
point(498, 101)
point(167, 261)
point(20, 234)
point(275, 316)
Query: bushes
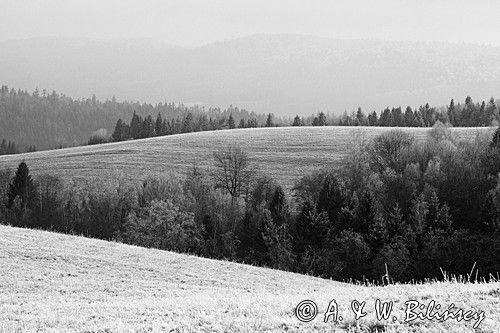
point(162, 225)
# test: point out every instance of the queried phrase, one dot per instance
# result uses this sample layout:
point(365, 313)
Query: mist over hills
point(283, 74)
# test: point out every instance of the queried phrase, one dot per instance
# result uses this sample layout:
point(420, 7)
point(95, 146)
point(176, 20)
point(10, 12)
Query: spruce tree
point(187, 124)
point(117, 133)
point(495, 141)
point(366, 214)
point(332, 198)
point(22, 187)
point(269, 120)
point(242, 123)
point(159, 126)
point(278, 207)
point(230, 122)
point(135, 126)
point(297, 121)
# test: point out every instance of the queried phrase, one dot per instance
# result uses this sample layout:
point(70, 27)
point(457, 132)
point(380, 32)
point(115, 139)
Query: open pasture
point(284, 153)
point(58, 283)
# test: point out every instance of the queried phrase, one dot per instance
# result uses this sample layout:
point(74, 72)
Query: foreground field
point(284, 153)
point(53, 282)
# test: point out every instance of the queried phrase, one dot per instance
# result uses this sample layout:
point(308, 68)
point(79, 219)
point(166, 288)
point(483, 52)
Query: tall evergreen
point(117, 133)
point(230, 122)
point(269, 120)
point(21, 186)
point(297, 121)
point(135, 126)
point(278, 206)
point(332, 198)
point(159, 130)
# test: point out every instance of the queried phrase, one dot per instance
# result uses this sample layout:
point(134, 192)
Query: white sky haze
point(197, 22)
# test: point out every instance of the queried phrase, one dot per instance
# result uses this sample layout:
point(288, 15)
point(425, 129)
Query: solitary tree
point(233, 171)
point(22, 187)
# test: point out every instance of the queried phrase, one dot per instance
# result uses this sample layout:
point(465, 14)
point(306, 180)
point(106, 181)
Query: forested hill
point(282, 74)
point(49, 120)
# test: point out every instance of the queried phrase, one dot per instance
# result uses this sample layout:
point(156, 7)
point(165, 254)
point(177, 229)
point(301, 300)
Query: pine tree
point(278, 242)
point(159, 130)
point(373, 119)
point(230, 122)
point(269, 120)
point(366, 214)
point(495, 141)
point(385, 118)
point(117, 133)
point(278, 207)
point(187, 124)
point(148, 128)
point(396, 226)
point(136, 126)
point(451, 112)
point(321, 119)
point(242, 123)
point(408, 117)
point(490, 213)
point(332, 198)
point(22, 187)
point(297, 121)
point(360, 116)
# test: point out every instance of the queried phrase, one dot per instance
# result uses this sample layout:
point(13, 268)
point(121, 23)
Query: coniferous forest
point(42, 120)
point(52, 120)
point(397, 210)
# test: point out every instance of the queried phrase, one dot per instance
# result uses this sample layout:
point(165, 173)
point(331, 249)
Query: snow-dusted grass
point(285, 153)
point(59, 283)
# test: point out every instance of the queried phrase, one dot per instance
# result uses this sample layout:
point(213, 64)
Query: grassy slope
point(54, 282)
point(284, 153)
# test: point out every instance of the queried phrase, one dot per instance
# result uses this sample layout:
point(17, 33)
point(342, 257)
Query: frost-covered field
point(285, 153)
point(59, 283)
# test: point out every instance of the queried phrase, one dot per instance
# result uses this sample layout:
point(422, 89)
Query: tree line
point(469, 114)
point(53, 120)
point(8, 147)
point(396, 210)
point(140, 128)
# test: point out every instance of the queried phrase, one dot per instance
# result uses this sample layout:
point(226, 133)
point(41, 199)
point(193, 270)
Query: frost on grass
point(52, 282)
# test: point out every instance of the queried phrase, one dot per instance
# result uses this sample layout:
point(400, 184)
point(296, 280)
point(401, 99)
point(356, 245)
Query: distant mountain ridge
point(283, 74)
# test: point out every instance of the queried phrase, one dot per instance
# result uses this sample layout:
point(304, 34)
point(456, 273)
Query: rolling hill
point(285, 153)
point(52, 283)
point(284, 74)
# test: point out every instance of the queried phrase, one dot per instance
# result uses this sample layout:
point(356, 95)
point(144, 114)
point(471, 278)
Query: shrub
point(163, 225)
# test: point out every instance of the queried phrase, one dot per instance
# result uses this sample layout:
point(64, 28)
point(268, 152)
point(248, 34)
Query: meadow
point(284, 153)
point(51, 282)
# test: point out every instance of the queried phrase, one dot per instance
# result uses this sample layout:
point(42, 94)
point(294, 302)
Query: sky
point(198, 22)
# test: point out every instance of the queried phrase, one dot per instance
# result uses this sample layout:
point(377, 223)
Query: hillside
point(53, 282)
point(285, 153)
point(284, 74)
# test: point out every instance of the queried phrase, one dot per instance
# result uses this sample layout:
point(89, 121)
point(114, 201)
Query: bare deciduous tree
point(233, 170)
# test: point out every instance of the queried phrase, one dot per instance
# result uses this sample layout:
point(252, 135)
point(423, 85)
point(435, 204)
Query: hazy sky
point(195, 22)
